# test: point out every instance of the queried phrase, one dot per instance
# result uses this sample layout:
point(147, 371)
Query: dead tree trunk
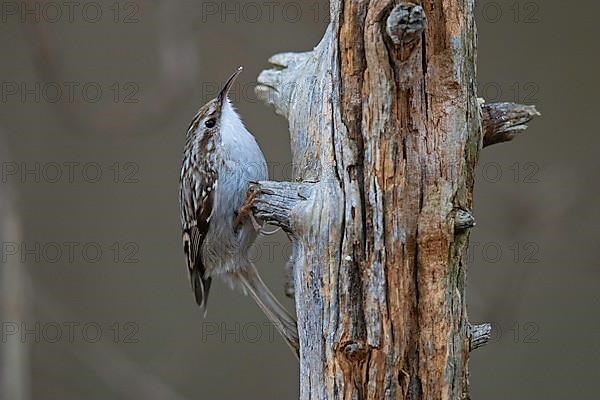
point(385, 129)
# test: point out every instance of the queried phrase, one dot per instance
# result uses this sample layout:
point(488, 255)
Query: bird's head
point(208, 120)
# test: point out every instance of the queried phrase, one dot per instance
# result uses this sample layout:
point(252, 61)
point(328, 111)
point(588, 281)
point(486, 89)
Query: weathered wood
point(274, 202)
point(385, 121)
point(463, 220)
point(405, 24)
point(503, 121)
point(479, 335)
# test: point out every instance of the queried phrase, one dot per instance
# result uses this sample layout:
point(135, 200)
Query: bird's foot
point(246, 211)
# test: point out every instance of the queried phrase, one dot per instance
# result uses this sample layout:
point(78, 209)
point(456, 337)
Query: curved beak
point(223, 94)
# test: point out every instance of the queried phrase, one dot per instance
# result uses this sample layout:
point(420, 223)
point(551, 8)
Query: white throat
point(233, 131)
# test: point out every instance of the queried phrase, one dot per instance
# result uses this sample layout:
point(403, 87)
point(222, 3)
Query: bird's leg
point(246, 211)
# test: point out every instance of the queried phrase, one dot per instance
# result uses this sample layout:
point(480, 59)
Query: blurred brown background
point(95, 105)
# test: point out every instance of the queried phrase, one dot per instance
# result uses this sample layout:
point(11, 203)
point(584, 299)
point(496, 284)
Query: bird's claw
point(246, 211)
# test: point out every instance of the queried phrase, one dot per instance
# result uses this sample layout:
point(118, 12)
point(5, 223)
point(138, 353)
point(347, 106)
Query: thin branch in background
point(15, 299)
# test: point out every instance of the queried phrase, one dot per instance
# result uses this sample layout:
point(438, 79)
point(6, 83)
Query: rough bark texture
point(385, 131)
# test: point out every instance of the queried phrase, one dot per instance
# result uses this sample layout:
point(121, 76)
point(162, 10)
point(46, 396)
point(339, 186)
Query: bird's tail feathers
point(201, 288)
point(277, 314)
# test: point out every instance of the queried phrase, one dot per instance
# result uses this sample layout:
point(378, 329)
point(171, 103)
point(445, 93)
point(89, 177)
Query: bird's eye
point(210, 123)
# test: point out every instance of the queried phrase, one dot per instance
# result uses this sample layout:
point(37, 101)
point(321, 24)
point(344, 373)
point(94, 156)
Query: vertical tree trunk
point(385, 129)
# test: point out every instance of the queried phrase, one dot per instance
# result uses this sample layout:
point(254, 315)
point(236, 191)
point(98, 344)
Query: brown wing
point(192, 242)
point(196, 200)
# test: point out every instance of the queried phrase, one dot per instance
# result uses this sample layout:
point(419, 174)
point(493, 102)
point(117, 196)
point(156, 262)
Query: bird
point(221, 157)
